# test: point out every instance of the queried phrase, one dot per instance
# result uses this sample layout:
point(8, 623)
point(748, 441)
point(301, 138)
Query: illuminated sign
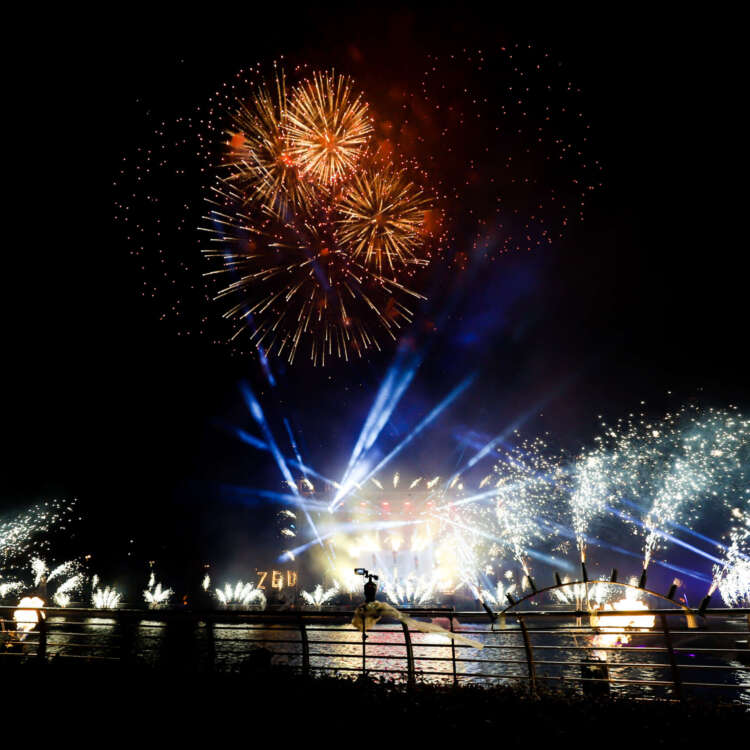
point(276, 579)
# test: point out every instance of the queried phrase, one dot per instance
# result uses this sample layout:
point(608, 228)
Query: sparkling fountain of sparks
point(63, 595)
point(9, 587)
point(529, 488)
point(155, 595)
point(589, 497)
point(498, 595)
point(593, 595)
point(674, 465)
point(346, 580)
point(732, 576)
point(241, 596)
point(413, 591)
point(106, 598)
point(319, 596)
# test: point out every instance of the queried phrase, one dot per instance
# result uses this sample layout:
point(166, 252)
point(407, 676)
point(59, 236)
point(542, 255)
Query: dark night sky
point(103, 403)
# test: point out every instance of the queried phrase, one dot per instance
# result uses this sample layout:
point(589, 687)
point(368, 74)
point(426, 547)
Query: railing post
point(305, 647)
point(672, 659)
point(409, 655)
point(211, 642)
point(41, 651)
point(529, 655)
point(453, 653)
point(364, 653)
point(127, 627)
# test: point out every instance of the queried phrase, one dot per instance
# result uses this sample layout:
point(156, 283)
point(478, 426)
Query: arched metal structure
point(686, 611)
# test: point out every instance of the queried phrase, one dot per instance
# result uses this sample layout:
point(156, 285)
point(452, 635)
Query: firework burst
point(382, 218)
point(259, 157)
point(292, 285)
point(328, 127)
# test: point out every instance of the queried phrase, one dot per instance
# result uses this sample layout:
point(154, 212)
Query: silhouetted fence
point(556, 647)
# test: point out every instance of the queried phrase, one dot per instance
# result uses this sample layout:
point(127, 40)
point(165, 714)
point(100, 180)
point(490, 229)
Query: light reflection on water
point(338, 649)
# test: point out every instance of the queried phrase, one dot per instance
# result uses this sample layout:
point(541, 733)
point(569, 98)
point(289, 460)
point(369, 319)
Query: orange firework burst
point(293, 286)
point(383, 218)
point(327, 126)
point(259, 152)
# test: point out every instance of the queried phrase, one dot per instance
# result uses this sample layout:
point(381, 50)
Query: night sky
point(106, 404)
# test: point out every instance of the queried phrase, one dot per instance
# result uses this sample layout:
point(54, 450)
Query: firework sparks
point(30, 531)
point(9, 587)
point(673, 465)
point(528, 488)
point(589, 498)
point(291, 282)
point(732, 577)
point(396, 529)
point(106, 598)
point(415, 590)
point(156, 597)
point(593, 595)
point(319, 596)
point(498, 595)
point(345, 579)
point(260, 160)
point(63, 595)
point(382, 219)
point(242, 595)
point(328, 127)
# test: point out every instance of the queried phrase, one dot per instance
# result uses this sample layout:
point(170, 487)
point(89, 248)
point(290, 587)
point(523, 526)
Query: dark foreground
point(273, 707)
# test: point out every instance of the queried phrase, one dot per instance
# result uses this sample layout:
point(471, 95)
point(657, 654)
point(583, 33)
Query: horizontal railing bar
point(84, 656)
point(644, 649)
point(332, 613)
point(727, 667)
point(707, 650)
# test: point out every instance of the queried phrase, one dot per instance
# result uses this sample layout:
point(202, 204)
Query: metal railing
point(535, 648)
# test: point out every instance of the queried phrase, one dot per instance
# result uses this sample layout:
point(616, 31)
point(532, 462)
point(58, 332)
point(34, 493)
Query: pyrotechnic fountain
point(156, 597)
point(319, 596)
point(732, 575)
point(431, 538)
point(63, 595)
point(106, 598)
point(241, 596)
point(9, 587)
point(415, 591)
